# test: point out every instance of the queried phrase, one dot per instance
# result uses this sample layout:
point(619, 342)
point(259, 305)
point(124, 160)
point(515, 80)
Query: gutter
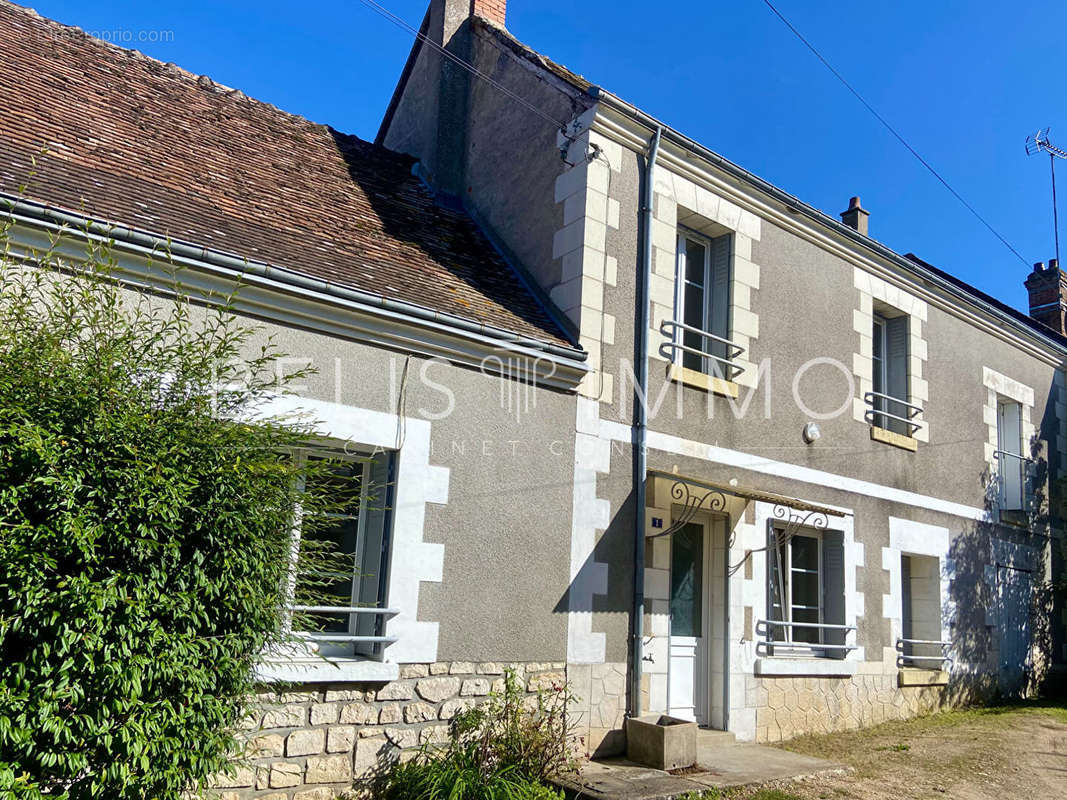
point(796, 205)
point(34, 212)
point(640, 428)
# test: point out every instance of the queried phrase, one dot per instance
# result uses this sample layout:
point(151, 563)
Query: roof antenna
point(1040, 143)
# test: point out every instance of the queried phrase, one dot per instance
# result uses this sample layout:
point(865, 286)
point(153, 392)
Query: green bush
point(144, 533)
point(503, 749)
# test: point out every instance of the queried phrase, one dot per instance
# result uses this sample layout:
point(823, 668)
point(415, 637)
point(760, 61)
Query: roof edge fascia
point(149, 262)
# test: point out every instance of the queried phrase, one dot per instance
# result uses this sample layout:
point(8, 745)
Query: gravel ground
point(1000, 753)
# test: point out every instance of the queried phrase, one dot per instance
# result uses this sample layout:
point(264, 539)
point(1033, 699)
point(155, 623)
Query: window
point(920, 595)
point(703, 303)
point(1012, 466)
point(360, 533)
point(889, 355)
point(806, 590)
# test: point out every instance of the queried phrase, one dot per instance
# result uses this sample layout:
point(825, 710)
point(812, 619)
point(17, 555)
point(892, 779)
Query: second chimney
point(1048, 295)
point(856, 216)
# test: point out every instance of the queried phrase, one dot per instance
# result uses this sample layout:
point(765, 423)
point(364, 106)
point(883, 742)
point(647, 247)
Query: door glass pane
point(687, 562)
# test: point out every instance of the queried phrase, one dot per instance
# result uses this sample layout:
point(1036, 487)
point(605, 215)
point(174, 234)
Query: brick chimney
point(855, 217)
point(493, 10)
point(1047, 287)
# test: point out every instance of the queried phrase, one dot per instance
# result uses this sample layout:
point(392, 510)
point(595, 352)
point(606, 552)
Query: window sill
point(1014, 518)
point(894, 439)
point(917, 676)
point(793, 667)
point(701, 380)
point(319, 670)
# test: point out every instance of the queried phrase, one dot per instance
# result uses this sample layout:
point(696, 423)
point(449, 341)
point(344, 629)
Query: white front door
point(689, 676)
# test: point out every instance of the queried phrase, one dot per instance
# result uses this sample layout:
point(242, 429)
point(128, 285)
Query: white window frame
point(333, 649)
point(1011, 455)
point(787, 570)
point(708, 365)
point(879, 364)
point(681, 254)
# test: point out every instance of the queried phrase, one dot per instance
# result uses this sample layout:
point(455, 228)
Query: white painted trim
point(418, 482)
point(821, 667)
point(669, 443)
point(345, 670)
point(592, 456)
point(921, 539)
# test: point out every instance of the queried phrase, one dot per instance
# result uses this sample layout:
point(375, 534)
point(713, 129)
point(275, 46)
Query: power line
point(892, 130)
point(401, 23)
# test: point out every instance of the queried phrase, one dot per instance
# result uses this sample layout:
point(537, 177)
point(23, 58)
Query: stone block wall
point(787, 707)
point(314, 742)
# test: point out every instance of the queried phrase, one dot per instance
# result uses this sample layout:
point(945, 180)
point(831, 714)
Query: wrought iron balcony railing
point(379, 641)
point(906, 656)
point(722, 363)
point(791, 646)
point(1015, 481)
point(879, 415)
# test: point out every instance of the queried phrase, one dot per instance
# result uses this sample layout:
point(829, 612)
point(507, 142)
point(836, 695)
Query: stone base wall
point(787, 707)
point(598, 710)
point(315, 742)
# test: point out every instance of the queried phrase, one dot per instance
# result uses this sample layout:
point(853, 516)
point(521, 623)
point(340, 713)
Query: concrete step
point(706, 737)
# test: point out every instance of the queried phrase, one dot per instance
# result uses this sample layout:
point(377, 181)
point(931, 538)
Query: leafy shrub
point(144, 533)
point(504, 749)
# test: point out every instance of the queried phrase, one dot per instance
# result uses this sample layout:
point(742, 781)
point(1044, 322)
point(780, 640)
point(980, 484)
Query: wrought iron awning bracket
point(692, 502)
point(794, 520)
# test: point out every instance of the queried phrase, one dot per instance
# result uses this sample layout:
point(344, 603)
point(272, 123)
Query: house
point(818, 483)
point(648, 424)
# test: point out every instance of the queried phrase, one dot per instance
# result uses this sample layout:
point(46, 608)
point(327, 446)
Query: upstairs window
point(702, 306)
point(352, 621)
point(1013, 468)
point(891, 410)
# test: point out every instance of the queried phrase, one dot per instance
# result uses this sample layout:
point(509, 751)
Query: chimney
point(856, 216)
point(1048, 295)
point(494, 11)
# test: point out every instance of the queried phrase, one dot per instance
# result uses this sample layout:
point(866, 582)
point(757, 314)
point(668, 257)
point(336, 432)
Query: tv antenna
point(1040, 143)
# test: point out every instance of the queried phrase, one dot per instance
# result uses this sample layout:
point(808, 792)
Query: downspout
point(640, 428)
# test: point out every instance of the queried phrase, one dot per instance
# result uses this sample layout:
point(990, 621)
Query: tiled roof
point(145, 144)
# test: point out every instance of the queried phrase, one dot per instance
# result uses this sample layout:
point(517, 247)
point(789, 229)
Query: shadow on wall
point(1003, 613)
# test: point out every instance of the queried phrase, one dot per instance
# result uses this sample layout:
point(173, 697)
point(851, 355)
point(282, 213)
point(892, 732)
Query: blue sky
point(963, 81)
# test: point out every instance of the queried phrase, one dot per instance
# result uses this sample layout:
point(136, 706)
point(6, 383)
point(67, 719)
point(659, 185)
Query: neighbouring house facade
point(832, 498)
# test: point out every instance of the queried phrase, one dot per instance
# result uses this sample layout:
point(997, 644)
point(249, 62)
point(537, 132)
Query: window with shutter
point(806, 587)
point(703, 302)
point(889, 357)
